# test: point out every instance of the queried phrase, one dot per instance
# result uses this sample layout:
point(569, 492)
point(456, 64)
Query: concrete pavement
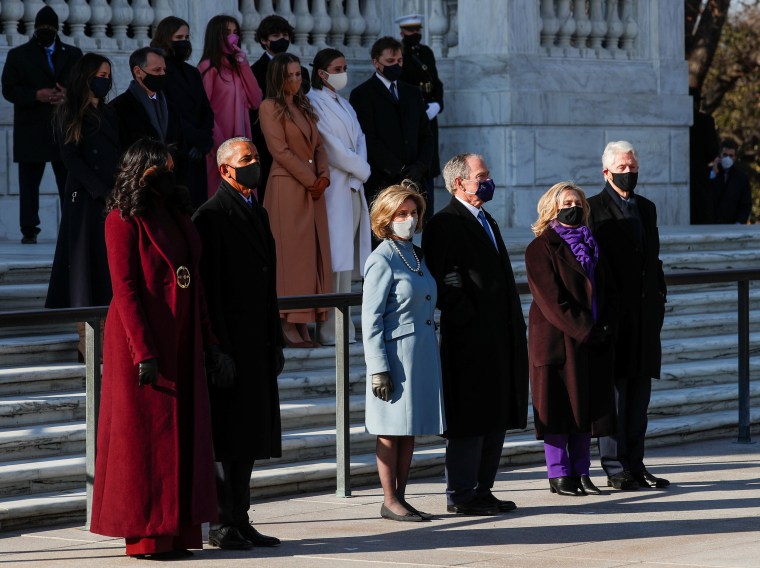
point(709, 517)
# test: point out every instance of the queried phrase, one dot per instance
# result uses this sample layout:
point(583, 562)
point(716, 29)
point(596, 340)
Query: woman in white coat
point(347, 213)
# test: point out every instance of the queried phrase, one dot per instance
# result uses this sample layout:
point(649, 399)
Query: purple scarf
point(586, 251)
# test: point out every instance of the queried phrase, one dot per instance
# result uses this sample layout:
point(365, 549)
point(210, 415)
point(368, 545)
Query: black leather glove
point(382, 386)
point(599, 335)
point(279, 360)
point(195, 154)
point(147, 372)
point(220, 368)
point(453, 279)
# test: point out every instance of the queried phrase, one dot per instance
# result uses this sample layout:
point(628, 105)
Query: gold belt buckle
point(183, 277)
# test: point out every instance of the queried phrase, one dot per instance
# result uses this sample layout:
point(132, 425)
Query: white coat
point(346, 148)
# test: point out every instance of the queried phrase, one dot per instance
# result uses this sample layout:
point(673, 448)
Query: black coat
point(397, 132)
point(640, 282)
point(703, 147)
point(419, 70)
point(731, 197)
point(26, 71)
point(570, 381)
point(134, 124)
point(238, 272)
point(484, 354)
point(185, 93)
point(80, 276)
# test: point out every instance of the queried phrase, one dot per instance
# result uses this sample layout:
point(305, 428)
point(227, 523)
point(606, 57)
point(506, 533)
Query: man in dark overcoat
point(730, 192)
point(392, 115)
point(34, 81)
point(484, 354)
point(419, 69)
point(625, 226)
point(238, 272)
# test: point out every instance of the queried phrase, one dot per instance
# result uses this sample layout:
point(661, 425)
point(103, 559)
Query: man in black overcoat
point(730, 192)
point(484, 355)
point(420, 70)
point(392, 115)
point(238, 273)
point(625, 226)
point(34, 81)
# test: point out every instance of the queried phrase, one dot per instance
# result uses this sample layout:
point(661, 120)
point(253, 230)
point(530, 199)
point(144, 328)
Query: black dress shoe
point(646, 479)
point(476, 507)
point(503, 506)
point(409, 517)
point(228, 538)
point(29, 240)
point(623, 480)
point(564, 485)
point(256, 538)
point(587, 487)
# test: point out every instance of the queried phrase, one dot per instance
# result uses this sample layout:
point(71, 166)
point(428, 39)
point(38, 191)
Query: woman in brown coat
point(570, 330)
point(294, 195)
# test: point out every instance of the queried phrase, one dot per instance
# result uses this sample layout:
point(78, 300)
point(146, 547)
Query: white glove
point(432, 110)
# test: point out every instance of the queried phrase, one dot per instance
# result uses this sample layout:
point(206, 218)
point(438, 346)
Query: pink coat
point(232, 93)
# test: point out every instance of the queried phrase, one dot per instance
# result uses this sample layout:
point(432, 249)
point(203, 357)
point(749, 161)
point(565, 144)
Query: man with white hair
point(625, 226)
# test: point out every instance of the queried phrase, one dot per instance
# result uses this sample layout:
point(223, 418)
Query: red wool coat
point(154, 452)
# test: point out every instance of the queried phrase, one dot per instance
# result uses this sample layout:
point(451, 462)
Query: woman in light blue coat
point(404, 393)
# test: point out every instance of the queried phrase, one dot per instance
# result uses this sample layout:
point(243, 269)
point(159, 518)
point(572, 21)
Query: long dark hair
point(322, 60)
point(213, 41)
point(77, 106)
point(277, 75)
point(166, 28)
point(132, 194)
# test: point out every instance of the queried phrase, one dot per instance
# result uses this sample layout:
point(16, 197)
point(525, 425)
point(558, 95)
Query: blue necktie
point(49, 52)
point(394, 93)
point(482, 219)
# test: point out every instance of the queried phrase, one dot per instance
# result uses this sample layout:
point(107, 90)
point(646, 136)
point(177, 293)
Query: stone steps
point(54, 377)
point(36, 349)
point(23, 296)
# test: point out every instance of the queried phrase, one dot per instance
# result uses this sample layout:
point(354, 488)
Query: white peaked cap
point(410, 20)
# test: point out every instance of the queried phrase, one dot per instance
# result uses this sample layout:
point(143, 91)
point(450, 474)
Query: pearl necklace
point(416, 259)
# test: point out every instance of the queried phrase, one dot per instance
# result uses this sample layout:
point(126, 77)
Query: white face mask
point(726, 162)
point(337, 81)
point(404, 229)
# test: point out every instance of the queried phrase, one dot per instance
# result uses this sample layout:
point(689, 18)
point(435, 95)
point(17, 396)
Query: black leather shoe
point(503, 506)
point(257, 539)
point(409, 517)
point(476, 507)
point(646, 479)
point(228, 538)
point(564, 485)
point(29, 240)
point(623, 480)
point(587, 487)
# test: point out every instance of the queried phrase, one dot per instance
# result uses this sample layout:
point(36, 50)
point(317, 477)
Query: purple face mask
point(485, 189)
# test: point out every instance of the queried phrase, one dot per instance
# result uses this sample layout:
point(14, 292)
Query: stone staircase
point(42, 397)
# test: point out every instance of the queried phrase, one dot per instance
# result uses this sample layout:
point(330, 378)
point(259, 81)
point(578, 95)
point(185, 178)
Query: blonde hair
point(549, 205)
point(384, 207)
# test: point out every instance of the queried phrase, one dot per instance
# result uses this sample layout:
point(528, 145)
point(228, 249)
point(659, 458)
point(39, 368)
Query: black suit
point(484, 355)
point(238, 269)
point(397, 132)
point(259, 69)
point(731, 196)
point(26, 71)
point(134, 124)
point(636, 269)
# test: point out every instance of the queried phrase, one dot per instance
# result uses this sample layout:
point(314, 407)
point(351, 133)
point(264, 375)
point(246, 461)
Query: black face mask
point(249, 175)
point(572, 216)
point(100, 86)
point(412, 40)
point(627, 181)
point(154, 83)
point(181, 49)
point(279, 45)
point(163, 183)
point(392, 72)
point(45, 36)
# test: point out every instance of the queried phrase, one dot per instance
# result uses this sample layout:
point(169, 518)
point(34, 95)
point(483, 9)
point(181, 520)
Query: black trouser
point(471, 466)
point(29, 178)
point(625, 450)
point(233, 493)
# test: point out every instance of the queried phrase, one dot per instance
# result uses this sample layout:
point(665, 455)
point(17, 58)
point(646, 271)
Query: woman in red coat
point(154, 476)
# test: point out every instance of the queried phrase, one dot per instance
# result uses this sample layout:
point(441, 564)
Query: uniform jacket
point(732, 197)
point(639, 280)
point(570, 381)
point(80, 275)
point(397, 132)
point(346, 148)
point(238, 268)
point(26, 71)
point(138, 470)
point(483, 346)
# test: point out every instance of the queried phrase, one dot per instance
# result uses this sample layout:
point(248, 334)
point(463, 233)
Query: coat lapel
point(378, 84)
point(614, 212)
point(474, 226)
point(243, 219)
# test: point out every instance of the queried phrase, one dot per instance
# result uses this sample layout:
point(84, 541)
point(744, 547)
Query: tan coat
point(299, 224)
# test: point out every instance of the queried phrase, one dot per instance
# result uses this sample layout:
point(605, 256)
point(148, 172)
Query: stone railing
point(589, 28)
point(110, 25)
